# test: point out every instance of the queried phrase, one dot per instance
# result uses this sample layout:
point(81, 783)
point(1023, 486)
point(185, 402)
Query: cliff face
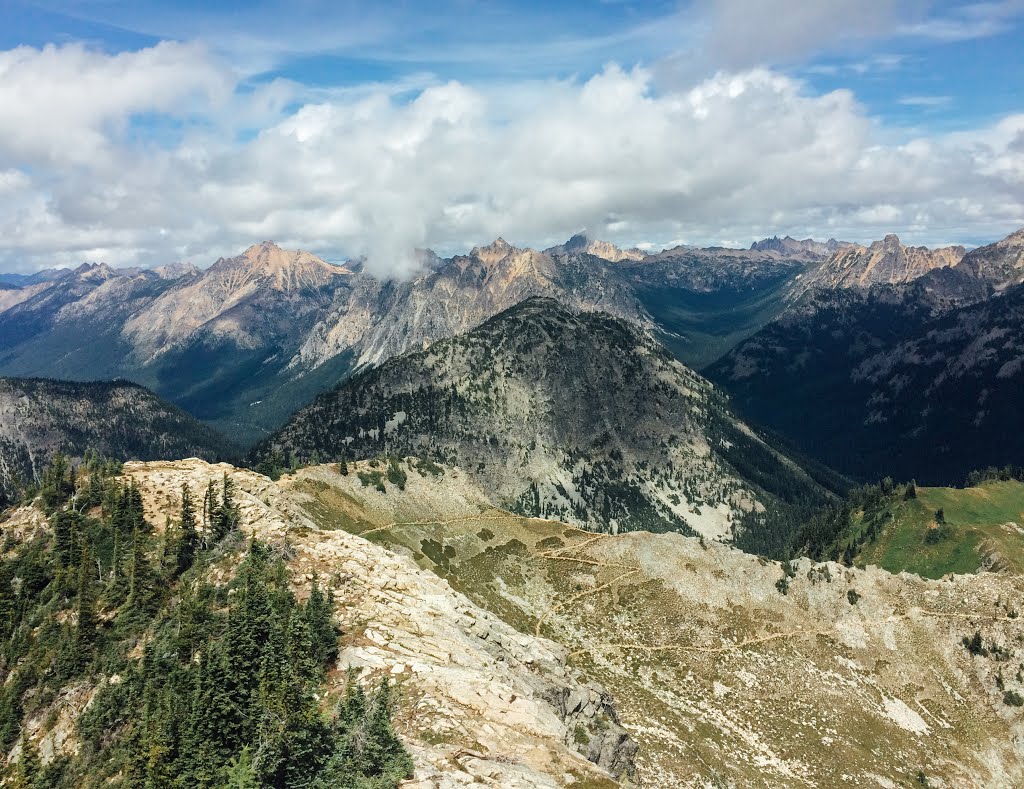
point(886, 262)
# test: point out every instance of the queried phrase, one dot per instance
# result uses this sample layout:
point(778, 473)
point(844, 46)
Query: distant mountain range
point(246, 341)
point(912, 376)
point(835, 346)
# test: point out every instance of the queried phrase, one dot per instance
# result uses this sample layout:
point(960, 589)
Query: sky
point(143, 133)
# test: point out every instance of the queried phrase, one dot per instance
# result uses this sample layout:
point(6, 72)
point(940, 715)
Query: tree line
point(197, 683)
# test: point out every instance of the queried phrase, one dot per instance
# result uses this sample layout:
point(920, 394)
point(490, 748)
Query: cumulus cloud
point(734, 156)
point(61, 103)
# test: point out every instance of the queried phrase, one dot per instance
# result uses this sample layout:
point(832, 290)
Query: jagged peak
point(98, 272)
point(580, 242)
point(283, 269)
point(498, 249)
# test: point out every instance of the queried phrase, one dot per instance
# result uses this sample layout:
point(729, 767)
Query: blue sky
point(419, 108)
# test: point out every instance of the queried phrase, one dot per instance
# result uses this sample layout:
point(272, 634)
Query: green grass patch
point(980, 522)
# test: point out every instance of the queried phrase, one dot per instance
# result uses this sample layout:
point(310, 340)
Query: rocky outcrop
point(791, 247)
point(718, 675)
point(579, 244)
point(886, 262)
point(478, 700)
point(595, 731)
point(1000, 265)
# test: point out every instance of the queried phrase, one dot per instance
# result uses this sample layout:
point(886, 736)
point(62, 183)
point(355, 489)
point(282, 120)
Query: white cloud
point(735, 156)
point(60, 104)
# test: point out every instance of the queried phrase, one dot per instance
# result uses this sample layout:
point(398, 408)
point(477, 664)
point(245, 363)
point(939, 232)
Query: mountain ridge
point(572, 415)
point(120, 420)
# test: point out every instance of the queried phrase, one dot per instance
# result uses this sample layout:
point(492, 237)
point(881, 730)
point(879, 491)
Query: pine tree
point(225, 519)
point(141, 580)
point(319, 613)
point(383, 753)
point(85, 629)
point(210, 506)
point(215, 722)
point(240, 773)
point(64, 527)
point(28, 774)
point(188, 537)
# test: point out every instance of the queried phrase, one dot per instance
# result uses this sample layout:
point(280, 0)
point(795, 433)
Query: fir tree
point(319, 613)
point(240, 773)
point(85, 629)
point(141, 578)
point(225, 518)
point(28, 774)
point(188, 536)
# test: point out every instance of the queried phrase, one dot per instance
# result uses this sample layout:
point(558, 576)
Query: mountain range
point(782, 327)
point(915, 377)
point(574, 416)
point(245, 341)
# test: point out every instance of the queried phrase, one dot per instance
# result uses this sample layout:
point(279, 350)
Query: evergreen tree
point(225, 518)
point(215, 722)
point(384, 754)
point(28, 774)
point(240, 773)
point(64, 527)
point(188, 536)
point(141, 578)
point(85, 629)
point(210, 506)
point(319, 613)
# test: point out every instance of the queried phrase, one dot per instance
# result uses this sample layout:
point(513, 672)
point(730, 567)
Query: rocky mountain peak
point(285, 269)
point(94, 272)
point(791, 247)
point(581, 244)
point(885, 262)
point(176, 270)
point(497, 250)
point(1001, 265)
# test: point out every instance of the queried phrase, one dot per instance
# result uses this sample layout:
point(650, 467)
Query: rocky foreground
point(532, 654)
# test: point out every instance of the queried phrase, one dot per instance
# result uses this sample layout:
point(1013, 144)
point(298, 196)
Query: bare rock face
point(581, 245)
point(379, 320)
point(791, 247)
point(1000, 264)
point(717, 675)
point(244, 298)
point(886, 262)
